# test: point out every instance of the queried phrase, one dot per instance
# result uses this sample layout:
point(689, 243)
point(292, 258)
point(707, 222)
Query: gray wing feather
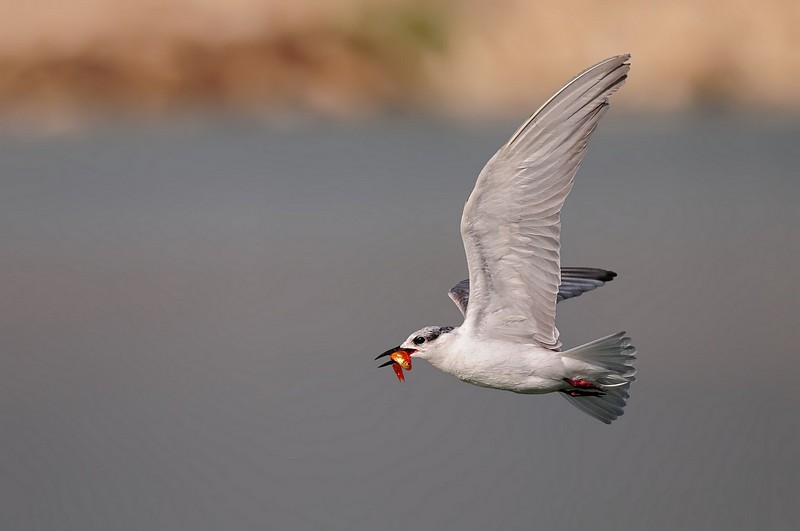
point(460, 295)
point(511, 223)
point(574, 282)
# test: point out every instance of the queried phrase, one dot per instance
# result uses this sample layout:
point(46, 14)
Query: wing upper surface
point(511, 222)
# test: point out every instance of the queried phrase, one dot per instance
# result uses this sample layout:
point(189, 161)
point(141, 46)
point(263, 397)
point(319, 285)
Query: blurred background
point(62, 62)
point(215, 214)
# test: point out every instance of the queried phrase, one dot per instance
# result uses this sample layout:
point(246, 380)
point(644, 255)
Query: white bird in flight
point(511, 227)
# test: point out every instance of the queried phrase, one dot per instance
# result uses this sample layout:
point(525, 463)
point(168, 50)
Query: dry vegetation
point(345, 56)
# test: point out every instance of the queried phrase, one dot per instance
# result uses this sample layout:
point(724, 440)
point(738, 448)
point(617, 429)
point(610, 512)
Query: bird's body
point(499, 364)
point(511, 231)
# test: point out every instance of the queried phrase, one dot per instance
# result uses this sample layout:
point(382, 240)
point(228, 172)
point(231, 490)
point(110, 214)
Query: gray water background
point(190, 314)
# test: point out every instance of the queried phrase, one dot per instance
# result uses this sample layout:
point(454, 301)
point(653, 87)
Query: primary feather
point(574, 282)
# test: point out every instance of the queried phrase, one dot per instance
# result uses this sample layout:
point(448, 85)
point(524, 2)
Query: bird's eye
point(419, 340)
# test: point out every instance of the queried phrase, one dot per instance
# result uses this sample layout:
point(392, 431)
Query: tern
point(511, 229)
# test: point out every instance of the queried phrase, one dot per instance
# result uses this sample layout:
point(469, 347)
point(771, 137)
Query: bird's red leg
point(580, 384)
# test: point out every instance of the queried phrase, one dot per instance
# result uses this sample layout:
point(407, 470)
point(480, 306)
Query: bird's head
point(425, 343)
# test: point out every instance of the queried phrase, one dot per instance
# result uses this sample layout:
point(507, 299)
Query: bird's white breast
point(517, 367)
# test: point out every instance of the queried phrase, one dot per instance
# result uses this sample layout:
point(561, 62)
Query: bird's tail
point(613, 356)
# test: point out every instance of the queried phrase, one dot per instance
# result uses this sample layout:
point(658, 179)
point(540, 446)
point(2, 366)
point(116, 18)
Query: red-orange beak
point(400, 359)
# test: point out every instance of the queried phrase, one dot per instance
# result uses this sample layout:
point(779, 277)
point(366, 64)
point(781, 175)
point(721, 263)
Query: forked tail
point(607, 392)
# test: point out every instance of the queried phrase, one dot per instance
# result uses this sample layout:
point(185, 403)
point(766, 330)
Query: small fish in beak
point(398, 371)
point(400, 359)
point(403, 359)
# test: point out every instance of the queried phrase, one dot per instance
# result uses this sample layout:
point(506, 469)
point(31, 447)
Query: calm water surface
point(190, 315)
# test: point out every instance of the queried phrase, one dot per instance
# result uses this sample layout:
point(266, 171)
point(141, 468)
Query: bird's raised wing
point(511, 222)
point(574, 282)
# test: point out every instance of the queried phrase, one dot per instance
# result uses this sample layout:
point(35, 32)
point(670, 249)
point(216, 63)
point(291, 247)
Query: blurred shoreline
point(350, 58)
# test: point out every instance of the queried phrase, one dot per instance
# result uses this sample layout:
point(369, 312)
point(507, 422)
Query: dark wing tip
point(578, 280)
point(590, 273)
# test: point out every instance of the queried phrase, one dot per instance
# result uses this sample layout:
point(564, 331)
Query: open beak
point(400, 359)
